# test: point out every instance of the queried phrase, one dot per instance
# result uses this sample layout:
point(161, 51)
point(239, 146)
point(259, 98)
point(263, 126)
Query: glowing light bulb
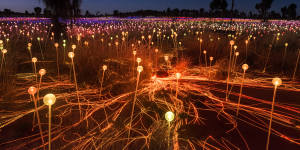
point(34, 59)
point(277, 81)
point(204, 52)
point(49, 99)
point(140, 69)
point(73, 46)
point(42, 72)
point(237, 53)
point(211, 58)
point(178, 75)
point(29, 44)
point(156, 50)
point(231, 42)
point(166, 57)
point(56, 45)
point(286, 44)
point(32, 90)
point(71, 55)
point(235, 47)
point(246, 41)
point(138, 60)
point(4, 51)
point(104, 67)
point(134, 53)
point(169, 116)
point(245, 67)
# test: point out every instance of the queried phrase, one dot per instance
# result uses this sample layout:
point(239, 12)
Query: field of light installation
point(150, 83)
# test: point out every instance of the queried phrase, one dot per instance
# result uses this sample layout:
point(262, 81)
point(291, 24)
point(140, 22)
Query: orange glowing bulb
point(34, 59)
point(42, 72)
point(32, 90)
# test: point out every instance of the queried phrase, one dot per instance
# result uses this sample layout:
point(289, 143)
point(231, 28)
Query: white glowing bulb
point(140, 69)
point(211, 58)
point(277, 81)
point(237, 53)
point(138, 60)
point(73, 46)
point(71, 55)
point(235, 47)
point(178, 75)
point(166, 57)
point(169, 116)
point(49, 99)
point(4, 51)
point(204, 52)
point(245, 67)
point(104, 67)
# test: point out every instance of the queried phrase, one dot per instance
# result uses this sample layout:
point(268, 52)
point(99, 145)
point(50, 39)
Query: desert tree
point(263, 8)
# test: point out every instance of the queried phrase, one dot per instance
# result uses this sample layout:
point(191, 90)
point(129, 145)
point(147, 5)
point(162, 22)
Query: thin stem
point(2, 60)
point(133, 104)
point(271, 118)
point(34, 68)
point(76, 86)
point(297, 62)
point(241, 89)
point(169, 132)
point(49, 128)
point(39, 122)
point(57, 63)
point(209, 69)
point(205, 60)
point(228, 74)
point(177, 89)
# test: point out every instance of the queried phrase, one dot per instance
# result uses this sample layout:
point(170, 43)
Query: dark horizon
point(107, 6)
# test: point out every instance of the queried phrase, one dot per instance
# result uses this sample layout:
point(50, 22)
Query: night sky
point(107, 6)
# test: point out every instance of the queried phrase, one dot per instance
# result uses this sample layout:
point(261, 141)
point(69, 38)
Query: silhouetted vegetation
point(64, 9)
point(263, 8)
